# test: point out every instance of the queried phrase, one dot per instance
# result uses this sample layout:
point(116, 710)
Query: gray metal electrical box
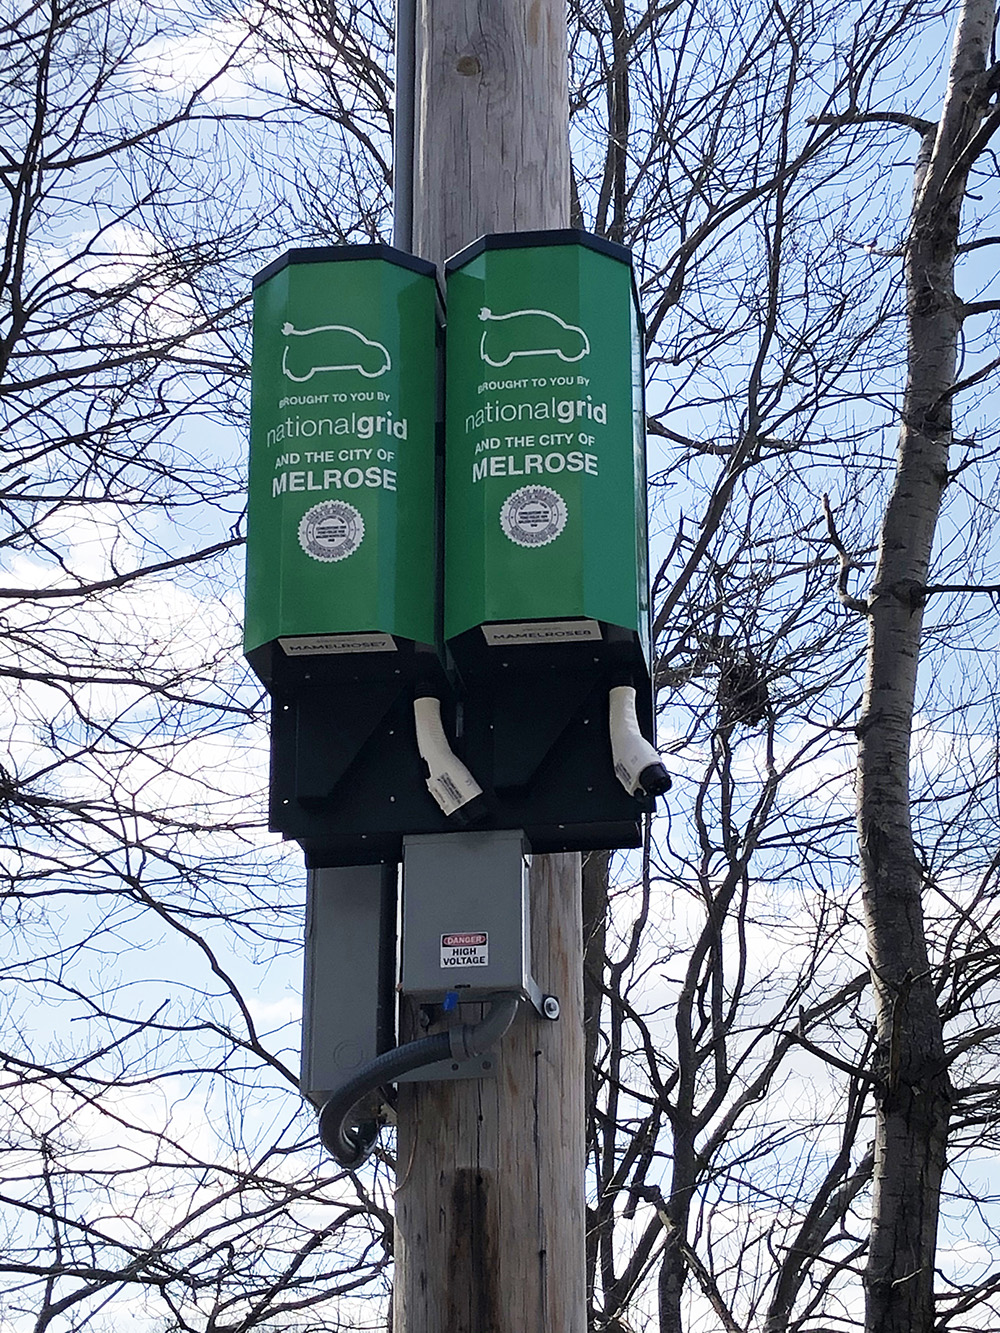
point(466, 916)
point(348, 1007)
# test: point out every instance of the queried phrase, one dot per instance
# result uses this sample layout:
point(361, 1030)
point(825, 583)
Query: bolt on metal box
point(466, 916)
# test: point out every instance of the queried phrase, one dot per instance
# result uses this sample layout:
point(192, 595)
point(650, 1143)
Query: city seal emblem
point(331, 531)
point(533, 516)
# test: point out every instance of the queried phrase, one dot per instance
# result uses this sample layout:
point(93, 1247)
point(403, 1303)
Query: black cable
point(350, 1147)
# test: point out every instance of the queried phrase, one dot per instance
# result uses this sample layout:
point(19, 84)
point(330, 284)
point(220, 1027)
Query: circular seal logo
point(331, 531)
point(533, 516)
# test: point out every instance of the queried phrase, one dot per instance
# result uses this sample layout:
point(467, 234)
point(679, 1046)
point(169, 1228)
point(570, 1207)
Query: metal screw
point(550, 1007)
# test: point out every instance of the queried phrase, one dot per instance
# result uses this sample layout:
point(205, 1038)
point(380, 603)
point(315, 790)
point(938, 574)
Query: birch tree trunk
point(913, 1092)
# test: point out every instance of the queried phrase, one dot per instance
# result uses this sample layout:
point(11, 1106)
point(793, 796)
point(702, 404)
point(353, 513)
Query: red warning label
point(470, 948)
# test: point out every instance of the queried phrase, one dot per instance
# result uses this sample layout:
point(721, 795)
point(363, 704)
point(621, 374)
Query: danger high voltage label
point(471, 949)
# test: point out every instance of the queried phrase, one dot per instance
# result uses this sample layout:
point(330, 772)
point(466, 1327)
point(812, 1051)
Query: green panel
point(545, 469)
point(341, 518)
point(639, 481)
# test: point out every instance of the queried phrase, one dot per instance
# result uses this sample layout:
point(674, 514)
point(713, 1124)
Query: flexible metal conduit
point(350, 1145)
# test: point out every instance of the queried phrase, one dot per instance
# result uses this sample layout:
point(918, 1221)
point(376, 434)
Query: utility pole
point(490, 1213)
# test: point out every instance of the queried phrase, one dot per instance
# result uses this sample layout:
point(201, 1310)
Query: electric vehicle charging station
point(535, 721)
point(342, 599)
point(546, 582)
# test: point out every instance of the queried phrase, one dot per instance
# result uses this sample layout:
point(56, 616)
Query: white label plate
point(541, 631)
point(324, 645)
point(470, 948)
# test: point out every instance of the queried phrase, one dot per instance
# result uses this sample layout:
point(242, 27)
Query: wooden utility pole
point(490, 1215)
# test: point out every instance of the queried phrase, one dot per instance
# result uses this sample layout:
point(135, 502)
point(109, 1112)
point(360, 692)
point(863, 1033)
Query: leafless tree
point(158, 1164)
point(787, 1105)
point(796, 315)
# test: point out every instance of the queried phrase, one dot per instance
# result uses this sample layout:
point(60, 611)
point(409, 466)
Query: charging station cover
point(545, 436)
point(341, 524)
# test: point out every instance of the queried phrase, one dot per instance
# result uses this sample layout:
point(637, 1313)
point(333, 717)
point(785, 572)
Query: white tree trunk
point(913, 1091)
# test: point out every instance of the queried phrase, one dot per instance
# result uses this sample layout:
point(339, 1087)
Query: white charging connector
point(448, 780)
point(638, 766)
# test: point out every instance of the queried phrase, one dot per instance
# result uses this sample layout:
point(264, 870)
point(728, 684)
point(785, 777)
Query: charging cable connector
point(638, 766)
point(453, 787)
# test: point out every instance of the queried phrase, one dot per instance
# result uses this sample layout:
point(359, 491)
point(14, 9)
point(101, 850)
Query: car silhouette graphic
point(529, 333)
point(331, 347)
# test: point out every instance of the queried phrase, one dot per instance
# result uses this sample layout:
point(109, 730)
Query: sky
point(200, 735)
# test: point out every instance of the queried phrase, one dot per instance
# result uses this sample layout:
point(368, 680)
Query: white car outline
point(487, 316)
point(290, 331)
